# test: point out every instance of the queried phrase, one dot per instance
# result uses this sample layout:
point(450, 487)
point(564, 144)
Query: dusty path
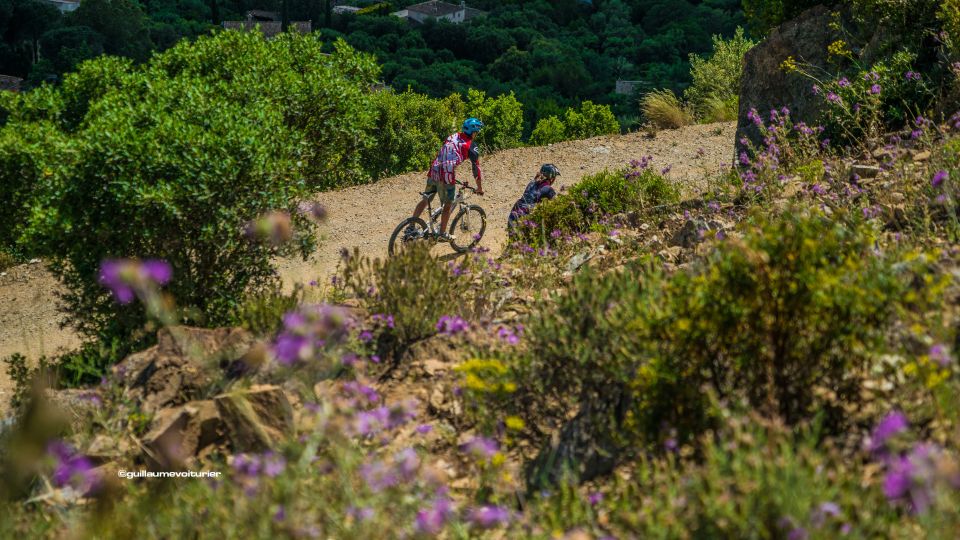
point(364, 216)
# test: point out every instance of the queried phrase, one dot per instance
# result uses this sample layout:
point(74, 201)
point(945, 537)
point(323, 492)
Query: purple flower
point(273, 464)
point(939, 354)
point(744, 159)
point(71, 468)
point(431, 519)
point(481, 447)
point(875, 89)
point(487, 517)
point(912, 76)
point(939, 178)
point(127, 278)
point(844, 82)
point(366, 336)
point(423, 429)
point(595, 498)
point(452, 325)
point(816, 90)
point(890, 426)
point(378, 476)
point(247, 465)
point(833, 98)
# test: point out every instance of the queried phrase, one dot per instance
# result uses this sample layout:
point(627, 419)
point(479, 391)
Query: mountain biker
point(442, 176)
point(537, 190)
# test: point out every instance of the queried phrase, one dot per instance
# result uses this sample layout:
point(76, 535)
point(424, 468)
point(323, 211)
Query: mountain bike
point(467, 225)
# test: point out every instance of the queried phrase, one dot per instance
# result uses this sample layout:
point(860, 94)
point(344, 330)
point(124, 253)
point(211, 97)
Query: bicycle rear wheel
point(401, 238)
point(468, 227)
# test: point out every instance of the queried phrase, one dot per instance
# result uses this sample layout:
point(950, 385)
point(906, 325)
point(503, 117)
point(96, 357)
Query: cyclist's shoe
point(444, 237)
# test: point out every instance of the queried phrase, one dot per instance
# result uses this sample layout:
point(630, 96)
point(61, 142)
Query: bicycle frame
point(459, 201)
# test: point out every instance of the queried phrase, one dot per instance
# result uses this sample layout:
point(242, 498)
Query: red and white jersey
point(454, 151)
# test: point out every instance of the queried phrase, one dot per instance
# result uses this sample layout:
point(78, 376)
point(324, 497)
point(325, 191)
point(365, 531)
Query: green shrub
point(549, 130)
point(949, 15)
point(715, 90)
point(763, 15)
point(590, 121)
point(502, 117)
point(409, 130)
point(595, 197)
point(179, 154)
point(262, 312)
point(787, 320)
point(415, 287)
point(663, 110)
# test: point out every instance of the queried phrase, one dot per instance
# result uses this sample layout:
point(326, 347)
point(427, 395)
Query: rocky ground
point(364, 216)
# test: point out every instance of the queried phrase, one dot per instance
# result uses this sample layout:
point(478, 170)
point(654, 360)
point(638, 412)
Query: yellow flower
point(789, 65)
point(514, 423)
point(838, 48)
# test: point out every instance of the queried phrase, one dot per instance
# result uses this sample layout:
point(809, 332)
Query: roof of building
point(435, 8)
point(262, 15)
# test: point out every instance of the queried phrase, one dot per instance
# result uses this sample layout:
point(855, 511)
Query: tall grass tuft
point(664, 110)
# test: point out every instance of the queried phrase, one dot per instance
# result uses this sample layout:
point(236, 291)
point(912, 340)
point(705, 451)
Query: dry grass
point(664, 110)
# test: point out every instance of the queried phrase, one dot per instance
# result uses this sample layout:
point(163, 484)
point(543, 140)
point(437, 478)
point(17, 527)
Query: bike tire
point(469, 224)
point(397, 242)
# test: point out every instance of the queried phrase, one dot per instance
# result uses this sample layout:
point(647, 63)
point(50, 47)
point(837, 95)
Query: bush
point(549, 130)
point(502, 117)
point(413, 286)
point(715, 90)
point(409, 128)
point(663, 110)
point(596, 197)
point(763, 15)
point(178, 155)
point(949, 15)
point(590, 121)
point(786, 320)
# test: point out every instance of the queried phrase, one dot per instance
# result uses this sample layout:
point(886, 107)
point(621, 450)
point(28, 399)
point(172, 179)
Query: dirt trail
point(364, 216)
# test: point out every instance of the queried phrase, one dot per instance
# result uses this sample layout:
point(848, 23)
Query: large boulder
point(765, 86)
point(179, 434)
point(182, 366)
point(256, 418)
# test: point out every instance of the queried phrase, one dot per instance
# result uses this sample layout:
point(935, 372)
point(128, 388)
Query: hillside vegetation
point(775, 357)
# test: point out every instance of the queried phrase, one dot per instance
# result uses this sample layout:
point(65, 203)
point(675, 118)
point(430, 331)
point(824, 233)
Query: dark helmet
point(549, 171)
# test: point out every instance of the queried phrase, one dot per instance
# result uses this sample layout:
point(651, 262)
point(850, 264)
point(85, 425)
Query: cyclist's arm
point(474, 155)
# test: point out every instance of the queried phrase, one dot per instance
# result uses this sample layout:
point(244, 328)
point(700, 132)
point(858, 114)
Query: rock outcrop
point(765, 86)
point(182, 366)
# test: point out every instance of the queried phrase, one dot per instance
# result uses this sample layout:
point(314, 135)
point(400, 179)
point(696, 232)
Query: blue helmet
point(471, 126)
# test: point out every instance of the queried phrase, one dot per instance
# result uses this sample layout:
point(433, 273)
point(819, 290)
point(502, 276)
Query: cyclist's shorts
point(447, 191)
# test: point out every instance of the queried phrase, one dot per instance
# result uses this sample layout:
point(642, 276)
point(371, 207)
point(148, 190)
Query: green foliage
point(763, 15)
point(866, 101)
point(591, 120)
point(502, 117)
point(664, 110)
point(262, 312)
point(174, 157)
point(787, 320)
point(408, 129)
point(598, 196)
point(549, 130)
point(413, 286)
point(949, 16)
point(715, 90)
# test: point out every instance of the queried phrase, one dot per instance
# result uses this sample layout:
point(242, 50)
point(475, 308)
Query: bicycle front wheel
point(468, 227)
point(401, 238)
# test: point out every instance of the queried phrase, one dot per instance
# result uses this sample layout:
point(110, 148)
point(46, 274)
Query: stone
point(670, 254)
point(579, 260)
point(690, 234)
point(922, 156)
point(181, 366)
point(865, 171)
point(765, 86)
point(105, 448)
point(178, 434)
point(257, 418)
